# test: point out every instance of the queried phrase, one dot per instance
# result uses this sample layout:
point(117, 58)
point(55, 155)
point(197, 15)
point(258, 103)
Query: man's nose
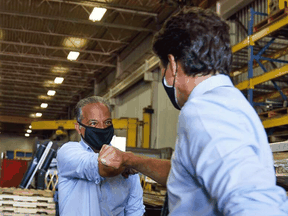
point(101, 125)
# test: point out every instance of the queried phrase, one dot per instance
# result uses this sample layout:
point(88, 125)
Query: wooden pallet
point(153, 199)
point(273, 113)
point(26, 192)
point(27, 210)
point(23, 214)
point(11, 203)
point(26, 198)
point(271, 19)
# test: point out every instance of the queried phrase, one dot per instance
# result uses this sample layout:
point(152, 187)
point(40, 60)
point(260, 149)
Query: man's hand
point(129, 171)
point(111, 157)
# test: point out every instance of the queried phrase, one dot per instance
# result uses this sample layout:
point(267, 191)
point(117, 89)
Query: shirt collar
point(209, 84)
point(84, 144)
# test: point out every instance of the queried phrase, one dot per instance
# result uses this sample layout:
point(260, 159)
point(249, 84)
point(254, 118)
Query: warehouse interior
point(54, 53)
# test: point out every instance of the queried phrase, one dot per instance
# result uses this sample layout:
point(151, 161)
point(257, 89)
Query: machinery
point(39, 165)
point(129, 124)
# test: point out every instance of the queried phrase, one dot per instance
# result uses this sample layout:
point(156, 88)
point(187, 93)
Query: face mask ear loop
point(175, 75)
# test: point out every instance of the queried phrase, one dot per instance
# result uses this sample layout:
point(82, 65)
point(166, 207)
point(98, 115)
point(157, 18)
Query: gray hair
point(89, 100)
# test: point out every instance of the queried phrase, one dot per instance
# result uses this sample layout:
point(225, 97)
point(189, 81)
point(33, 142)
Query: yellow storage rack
point(275, 24)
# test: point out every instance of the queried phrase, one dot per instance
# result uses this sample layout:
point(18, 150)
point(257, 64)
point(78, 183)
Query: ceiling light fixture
point(27, 135)
point(74, 42)
point(29, 131)
point(72, 56)
point(30, 126)
point(51, 92)
point(44, 105)
point(60, 69)
point(58, 80)
point(38, 114)
point(97, 14)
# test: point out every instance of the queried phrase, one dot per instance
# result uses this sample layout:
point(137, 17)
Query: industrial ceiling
point(36, 37)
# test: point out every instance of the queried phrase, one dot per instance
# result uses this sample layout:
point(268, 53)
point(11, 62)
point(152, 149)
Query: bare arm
point(157, 169)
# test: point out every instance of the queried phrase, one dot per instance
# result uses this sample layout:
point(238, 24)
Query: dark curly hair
point(197, 38)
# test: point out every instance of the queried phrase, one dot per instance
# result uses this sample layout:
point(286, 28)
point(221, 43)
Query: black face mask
point(171, 91)
point(96, 137)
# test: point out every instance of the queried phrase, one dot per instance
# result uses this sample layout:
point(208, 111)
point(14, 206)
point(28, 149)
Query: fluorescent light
point(44, 105)
point(58, 80)
point(32, 115)
point(74, 42)
point(30, 126)
point(59, 69)
point(48, 83)
point(29, 131)
point(27, 135)
point(72, 56)
point(38, 114)
point(44, 97)
point(97, 14)
point(51, 92)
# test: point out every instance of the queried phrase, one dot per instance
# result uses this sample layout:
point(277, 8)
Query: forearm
point(157, 169)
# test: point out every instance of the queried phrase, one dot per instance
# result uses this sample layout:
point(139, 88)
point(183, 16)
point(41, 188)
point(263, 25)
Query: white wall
point(11, 143)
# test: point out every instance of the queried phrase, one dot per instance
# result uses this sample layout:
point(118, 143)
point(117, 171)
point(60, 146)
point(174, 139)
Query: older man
point(85, 187)
point(222, 164)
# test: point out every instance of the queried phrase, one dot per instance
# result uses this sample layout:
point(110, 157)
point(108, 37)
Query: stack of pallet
point(15, 201)
point(153, 193)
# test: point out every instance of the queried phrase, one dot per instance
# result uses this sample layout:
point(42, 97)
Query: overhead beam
point(262, 78)
point(25, 93)
point(82, 71)
point(25, 55)
point(33, 98)
point(55, 47)
point(50, 33)
point(33, 110)
point(35, 106)
point(119, 8)
point(79, 21)
point(42, 89)
point(55, 105)
point(227, 8)
point(16, 119)
point(41, 83)
point(36, 74)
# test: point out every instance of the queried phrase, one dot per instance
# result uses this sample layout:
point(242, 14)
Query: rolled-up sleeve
point(76, 162)
point(225, 159)
point(135, 206)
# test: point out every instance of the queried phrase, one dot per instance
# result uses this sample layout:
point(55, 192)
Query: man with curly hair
point(222, 164)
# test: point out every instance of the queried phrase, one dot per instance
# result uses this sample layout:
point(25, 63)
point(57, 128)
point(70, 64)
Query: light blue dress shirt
point(83, 192)
point(222, 164)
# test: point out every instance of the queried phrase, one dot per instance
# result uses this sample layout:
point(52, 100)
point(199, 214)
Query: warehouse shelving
point(272, 29)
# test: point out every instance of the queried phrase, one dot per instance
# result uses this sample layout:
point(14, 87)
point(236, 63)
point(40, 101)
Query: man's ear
point(77, 128)
point(172, 64)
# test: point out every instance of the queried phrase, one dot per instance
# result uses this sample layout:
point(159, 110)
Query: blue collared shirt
point(82, 191)
point(222, 164)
